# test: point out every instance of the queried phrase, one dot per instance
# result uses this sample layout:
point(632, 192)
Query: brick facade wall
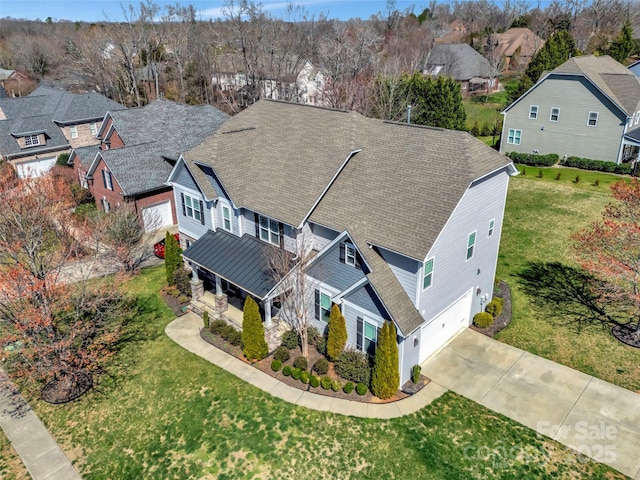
point(100, 193)
point(85, 137)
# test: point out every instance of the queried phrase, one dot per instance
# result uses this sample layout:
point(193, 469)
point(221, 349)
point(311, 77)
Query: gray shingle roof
point(10, 129)
point(86, 154)
point(397, 192)
point(610, 76)
point(459, 61)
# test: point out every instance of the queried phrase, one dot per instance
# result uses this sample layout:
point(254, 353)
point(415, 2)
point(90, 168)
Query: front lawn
point(166, 413)
point(541, 214)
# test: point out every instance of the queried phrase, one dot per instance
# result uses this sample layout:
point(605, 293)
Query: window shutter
point(256, 218)
point(201, 212)
point(358, 260)
point(281, 232)
point(184, 208)
point(342, 254)
point(359, 333)
point(317, 304)
point(104, 179)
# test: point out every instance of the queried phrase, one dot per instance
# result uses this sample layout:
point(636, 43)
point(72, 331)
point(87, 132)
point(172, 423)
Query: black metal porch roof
point(242, 261)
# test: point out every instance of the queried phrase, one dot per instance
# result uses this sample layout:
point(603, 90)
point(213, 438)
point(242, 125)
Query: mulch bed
point(265, 366)
point(174, 304)
point(627, 335)
point(67, 389)
point(502, 320)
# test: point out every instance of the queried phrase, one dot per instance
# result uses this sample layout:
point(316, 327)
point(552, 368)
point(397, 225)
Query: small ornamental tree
point(337, 336)
point(255, 346)
point(386, 378)
point(172, 259)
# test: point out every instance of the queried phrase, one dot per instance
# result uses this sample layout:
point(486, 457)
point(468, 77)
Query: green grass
point(11, 467)
point(540, 217)
point(166, 413)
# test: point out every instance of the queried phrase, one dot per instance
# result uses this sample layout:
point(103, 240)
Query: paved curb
point(185, 331)
point(37, 449)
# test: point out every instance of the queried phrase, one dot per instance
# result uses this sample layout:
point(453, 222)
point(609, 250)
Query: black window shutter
point(359, 333)
point(317, 304)
point(281, 232)
point(104, 178)
point(358, 260)
point(201, 213)
point(184, 208)
point(256, 217)
point(342, 254)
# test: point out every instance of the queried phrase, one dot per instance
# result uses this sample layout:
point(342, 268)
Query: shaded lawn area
point(166, 413)
point(540, 216)
point(11, 467)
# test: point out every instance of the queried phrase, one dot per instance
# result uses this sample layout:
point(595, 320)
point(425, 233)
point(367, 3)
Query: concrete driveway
point(589, 415)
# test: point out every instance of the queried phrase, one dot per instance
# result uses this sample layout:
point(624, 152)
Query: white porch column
point(218, 285)
point(267, 312)
point(194, 272)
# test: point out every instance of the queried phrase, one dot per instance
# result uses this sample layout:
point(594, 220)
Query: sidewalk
point(591, 416)
point(36, 447)
point(185, 331)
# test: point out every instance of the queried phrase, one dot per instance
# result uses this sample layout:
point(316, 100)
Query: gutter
point(37, 151)
point(64, 123)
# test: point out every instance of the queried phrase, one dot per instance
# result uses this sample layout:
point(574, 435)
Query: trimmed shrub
point(300, 362)
point(337, 335)
point(336, 386)
point(348, 387)
point(276, 365)
point(282, 353)
point(494, 308)
point(286, 370)
point(499, 300)
point(361, 389)
point(290, 340)
point(314, 381)
point(558, 175)
point(415, 373)
point(255, 346)
point(296, 372)
point(577, 180)
point(205, 319)
point(321, 345)
point(172, 256)
point(234, 337)
point(312, 336)
point(597, 165)
point(305, 376)
point(326, 383)
point(321, 367)
point(385, 378)
point(353, 365)
point(217, 326)
point(182, 281)
point(483, 320)
point(533, 159)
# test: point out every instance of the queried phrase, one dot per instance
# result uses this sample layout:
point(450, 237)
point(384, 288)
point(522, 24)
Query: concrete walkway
point(39, 452)
point(185, 331)
point(594, 417)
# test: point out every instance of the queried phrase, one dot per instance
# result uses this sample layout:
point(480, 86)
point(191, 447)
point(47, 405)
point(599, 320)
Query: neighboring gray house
point(404, 220)
point(462, 63)
point(587, 107)
point(635, 68)
point(37, 128)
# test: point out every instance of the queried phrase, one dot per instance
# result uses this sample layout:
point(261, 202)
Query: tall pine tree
point(172, 259)
point(623, 45)
point(386, 378)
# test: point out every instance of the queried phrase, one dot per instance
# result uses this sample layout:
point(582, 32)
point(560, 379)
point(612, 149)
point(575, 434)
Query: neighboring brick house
point(138, 150)
point(587, 107)
point(403, 221)
point(466, 66)
point(37, 128)
point(513, 49)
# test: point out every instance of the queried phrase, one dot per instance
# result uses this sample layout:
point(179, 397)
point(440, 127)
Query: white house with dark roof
point(37, 128)
point(587, 107)
point(404, 220)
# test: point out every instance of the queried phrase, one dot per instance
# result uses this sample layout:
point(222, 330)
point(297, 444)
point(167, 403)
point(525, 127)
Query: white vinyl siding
point(592, 121)
point(533, 112)
point(471, 245)
point(514, 136)
point(555, 114)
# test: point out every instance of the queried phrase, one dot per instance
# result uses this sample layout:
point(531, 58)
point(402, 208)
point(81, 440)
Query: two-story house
point(138, 150)
point(37, 128)
point(587, 107)
point(404, 221)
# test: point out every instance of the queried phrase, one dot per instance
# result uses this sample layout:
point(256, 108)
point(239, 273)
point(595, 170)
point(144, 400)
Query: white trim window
point(492, 225)
point(106, 178)
point(105, 205)
point(226, 218)
point(555, 114)
point(370, 334)
point(350, 257)
point(269, 230)
point(637, 118)
point(427, 274)
point(94, 128)
point(74, 131)
point(592, 121)
point(322, 306)
point(514, 136)
point(533, 112)
point(31, 140)
point(192, 208)
point(471, 245)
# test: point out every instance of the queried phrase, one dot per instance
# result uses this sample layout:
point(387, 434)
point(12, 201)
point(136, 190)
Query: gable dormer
point(30, 139)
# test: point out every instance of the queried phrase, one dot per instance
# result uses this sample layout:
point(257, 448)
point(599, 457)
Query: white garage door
point(437, 332)
point(157, 216)
point(35, 168)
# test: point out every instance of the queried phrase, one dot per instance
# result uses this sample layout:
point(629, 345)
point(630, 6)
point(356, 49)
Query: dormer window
point(31, 140)
point(349, 255)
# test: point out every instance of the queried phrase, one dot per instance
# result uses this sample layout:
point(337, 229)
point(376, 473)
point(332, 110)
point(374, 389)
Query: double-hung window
point(94, 129)
point(106, 177)
point(492, 225)
point(514, 136)
point(533, 112)
point(31, 140)
point(427, 278)
point(323, 306)
point(269, 230)
point(350, 254)
point(226, 218)
point(74, 131)
point(471, 245)
point(593, 119)
point(105, 205)
point(555, 114)
point(192, 208)
point(370, 337)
